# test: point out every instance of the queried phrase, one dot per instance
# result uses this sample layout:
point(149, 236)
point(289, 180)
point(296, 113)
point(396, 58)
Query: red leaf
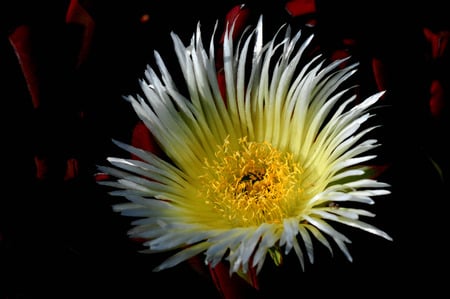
point(300, 7)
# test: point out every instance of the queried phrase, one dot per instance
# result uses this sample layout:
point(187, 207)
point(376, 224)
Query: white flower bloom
point(267, 169)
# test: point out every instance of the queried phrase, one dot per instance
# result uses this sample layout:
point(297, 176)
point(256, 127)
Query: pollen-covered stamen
point(253, 184)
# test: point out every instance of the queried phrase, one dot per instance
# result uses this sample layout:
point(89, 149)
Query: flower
point(262, 170)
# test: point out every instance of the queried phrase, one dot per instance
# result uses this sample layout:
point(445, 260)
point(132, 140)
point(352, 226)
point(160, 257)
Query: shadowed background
point(65, 66)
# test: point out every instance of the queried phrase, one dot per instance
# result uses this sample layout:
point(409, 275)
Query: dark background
point(60, 238)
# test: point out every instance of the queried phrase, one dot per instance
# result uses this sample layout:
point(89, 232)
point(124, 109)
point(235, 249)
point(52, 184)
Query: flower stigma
point(253, 184)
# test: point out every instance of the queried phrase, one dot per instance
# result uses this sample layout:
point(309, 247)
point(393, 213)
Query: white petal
point(308, 242)
point(326, 228)
point(182, 256)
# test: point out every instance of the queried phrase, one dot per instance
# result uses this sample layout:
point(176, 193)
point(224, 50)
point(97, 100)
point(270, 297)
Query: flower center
point(253, 184)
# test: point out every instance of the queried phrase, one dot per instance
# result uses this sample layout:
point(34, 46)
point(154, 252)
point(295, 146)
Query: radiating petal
point(266, 165)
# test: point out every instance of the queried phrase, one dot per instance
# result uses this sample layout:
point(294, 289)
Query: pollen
point(252, 183)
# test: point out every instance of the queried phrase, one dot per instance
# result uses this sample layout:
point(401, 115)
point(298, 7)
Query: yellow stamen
point(252, 184)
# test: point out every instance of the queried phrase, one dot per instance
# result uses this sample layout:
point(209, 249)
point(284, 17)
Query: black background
point(60, 239)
